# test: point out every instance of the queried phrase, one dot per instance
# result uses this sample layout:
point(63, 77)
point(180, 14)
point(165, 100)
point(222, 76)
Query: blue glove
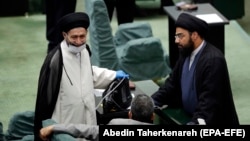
point(121, 74)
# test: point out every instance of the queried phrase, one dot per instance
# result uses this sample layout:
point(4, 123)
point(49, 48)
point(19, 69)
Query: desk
point(216, 34)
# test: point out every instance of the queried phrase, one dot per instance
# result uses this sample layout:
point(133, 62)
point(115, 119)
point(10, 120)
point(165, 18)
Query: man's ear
point(64, 34)
point(195, 35)
point(130, 114)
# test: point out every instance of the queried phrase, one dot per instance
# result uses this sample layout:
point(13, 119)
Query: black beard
point(187, 50)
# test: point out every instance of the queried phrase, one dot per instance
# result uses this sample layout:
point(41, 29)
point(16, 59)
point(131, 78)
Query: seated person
point(140, 113)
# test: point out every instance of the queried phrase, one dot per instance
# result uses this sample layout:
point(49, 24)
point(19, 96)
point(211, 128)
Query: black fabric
point(55, 9)
point(203, 1)
point(48, 89)
point(72, 20)
point(125, 10)
point(14, 7)
point(192, 23)
point(2, 136)
point(117, 96)
point(165, 3)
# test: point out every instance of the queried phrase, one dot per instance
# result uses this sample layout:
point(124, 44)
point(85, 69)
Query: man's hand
point(45, 132)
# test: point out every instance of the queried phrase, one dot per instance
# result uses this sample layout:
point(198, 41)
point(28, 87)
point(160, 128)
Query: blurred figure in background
point(125, 10)
point(54, 10)
point(165, 3)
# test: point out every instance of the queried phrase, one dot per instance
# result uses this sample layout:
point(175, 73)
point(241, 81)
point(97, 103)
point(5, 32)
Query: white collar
point(194, 53)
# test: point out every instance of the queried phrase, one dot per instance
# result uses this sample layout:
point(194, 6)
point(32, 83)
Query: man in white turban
point(67, 78)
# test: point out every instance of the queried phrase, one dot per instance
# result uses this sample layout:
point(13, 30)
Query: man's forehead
point(180, 30)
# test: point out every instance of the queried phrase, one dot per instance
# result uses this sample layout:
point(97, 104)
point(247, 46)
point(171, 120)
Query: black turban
point(73, 20)
point(192, 23)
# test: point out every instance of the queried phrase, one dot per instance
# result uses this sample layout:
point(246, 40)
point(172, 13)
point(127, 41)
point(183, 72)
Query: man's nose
point(79, 41)
point(177, 40)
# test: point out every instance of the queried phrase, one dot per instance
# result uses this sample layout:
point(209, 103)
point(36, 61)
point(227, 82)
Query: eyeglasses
point(179, 36)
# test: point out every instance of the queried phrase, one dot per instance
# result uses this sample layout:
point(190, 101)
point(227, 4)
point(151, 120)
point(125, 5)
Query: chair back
point(21, 125)
point(100, 35)
point(144, 59)
point(2, 137)
point(131, 31)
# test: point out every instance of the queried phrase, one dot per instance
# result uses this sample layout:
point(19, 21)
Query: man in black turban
point(72, 20)
point(191, 24)
point(67, 79)
point(199, 83)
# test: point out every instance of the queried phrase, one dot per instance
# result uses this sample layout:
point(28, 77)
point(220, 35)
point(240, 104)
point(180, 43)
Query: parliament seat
point(132, 41)
point(21, 128)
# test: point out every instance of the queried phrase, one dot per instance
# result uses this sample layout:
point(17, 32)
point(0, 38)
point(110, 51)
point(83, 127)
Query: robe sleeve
point(102, 77)
point(90, 132)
